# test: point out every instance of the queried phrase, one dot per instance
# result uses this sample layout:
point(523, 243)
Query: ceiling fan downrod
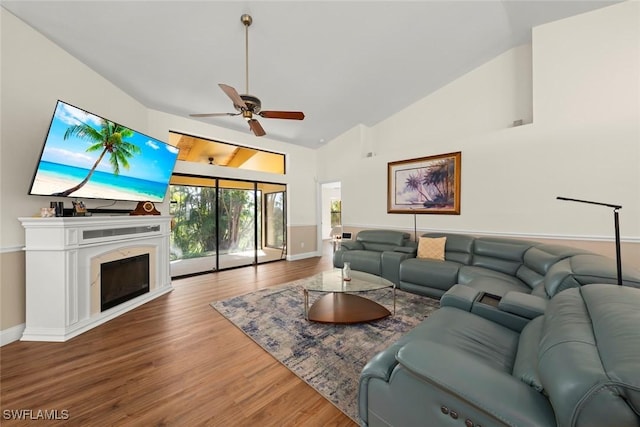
point(246, 20)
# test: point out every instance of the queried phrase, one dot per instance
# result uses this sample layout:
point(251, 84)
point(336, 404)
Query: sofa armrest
point(523, 305)
point(406, 250)
point(350, 245)
point(390, 264)
point(459, 296)
point(472, 381)
point(380, 366)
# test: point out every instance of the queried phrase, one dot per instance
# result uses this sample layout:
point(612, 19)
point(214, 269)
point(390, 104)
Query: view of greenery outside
point(194, 229)
point(274, 218)
point(236, 219)
point(336, 213)
point(194, 216)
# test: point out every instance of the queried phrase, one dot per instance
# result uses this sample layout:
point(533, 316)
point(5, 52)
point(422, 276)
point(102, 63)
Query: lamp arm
point(616, 224)
point(590, 202)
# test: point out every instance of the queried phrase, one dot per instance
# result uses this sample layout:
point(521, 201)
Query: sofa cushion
point(458, 247)
point(431, 248)
point(504, 255)
point(539, 259)
point(386, 237)
point(589, 355)
point(430, 272)
point(468, 274)
point(462, 331)
point(526, 364)
point(592, 268)
point(496, 286)
point(362, 260)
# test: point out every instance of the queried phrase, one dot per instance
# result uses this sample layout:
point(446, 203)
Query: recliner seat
point(577, 365)
point(365, 253)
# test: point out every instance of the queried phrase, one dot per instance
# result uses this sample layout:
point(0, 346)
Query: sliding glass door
point(220, 224)
point(193, 245)
point(238, 219)
point(275, 219)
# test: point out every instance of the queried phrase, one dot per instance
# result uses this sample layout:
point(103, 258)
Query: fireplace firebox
point(123, 279)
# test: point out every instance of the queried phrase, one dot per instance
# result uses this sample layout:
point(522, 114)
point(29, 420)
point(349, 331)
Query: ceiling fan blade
point(233, 94)
point(256, 127)
point(291, 115)
point(213, 114)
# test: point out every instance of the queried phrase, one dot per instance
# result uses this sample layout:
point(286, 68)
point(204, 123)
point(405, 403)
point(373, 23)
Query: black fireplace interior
point(123, 279)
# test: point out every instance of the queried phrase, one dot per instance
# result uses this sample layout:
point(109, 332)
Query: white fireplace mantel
point(63, 255)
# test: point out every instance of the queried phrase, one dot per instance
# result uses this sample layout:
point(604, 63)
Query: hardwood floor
point(172, 362)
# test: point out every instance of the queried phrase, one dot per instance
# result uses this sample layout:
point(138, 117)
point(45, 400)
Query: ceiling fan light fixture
point(253, 103)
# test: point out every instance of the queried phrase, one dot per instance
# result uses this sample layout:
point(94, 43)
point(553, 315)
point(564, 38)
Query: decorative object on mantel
point(327, 357)
point(145, 208)
point(79, 208)
point(47, 212)
point(426, 185)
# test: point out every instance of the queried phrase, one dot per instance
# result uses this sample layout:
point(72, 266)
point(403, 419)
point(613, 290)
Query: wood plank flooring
point(172, 362)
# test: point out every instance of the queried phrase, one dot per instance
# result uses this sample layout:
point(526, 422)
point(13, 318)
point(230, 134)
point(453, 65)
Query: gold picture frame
point(425, 185)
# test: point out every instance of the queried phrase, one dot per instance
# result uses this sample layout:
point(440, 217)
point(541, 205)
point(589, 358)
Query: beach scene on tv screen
point(87, 156)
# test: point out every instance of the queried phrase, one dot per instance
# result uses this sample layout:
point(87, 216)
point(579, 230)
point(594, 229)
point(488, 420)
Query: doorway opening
point(331, 210)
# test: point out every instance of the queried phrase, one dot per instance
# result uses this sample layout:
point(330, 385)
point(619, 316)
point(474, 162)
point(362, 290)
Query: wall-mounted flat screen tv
point(88, 156)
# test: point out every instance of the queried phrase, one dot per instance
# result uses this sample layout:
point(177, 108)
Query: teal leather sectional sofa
point(491, 264)
point(577, 365)
point(528, 334)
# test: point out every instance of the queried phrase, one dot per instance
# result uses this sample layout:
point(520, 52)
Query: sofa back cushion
point(540, 258)
point(503, 255)
point(588, 356)
point(458, 247)
point(584, 269)
point(382, 240)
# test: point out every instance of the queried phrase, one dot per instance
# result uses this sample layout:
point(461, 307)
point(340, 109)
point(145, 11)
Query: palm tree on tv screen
point(110, 138)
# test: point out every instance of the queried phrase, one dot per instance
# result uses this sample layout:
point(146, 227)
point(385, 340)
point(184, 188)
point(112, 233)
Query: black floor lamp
point(616, 223)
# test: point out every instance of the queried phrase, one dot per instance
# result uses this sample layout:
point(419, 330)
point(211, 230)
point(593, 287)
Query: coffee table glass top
point(331, 281)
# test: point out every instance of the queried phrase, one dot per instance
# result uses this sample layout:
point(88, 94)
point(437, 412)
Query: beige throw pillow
point(431, 247)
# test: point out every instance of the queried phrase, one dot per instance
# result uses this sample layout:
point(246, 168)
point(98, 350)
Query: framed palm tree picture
point(426, 185)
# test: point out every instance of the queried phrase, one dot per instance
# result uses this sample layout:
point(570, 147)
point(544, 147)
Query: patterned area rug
point(327, 357)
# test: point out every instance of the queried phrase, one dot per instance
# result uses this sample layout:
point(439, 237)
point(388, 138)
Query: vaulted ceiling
point(343, 63)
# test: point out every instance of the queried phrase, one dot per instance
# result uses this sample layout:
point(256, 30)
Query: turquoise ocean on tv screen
point(140, 189)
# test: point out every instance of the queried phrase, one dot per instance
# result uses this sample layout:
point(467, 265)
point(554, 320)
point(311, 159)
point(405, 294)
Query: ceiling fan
point(249, 105)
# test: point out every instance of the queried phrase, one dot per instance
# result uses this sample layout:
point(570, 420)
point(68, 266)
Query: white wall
point(578, 82)
point(35, 73)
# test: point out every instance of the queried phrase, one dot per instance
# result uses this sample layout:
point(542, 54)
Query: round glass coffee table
point(341, 304)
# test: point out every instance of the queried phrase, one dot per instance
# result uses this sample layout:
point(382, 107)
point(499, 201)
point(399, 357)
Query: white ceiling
point(343, 63)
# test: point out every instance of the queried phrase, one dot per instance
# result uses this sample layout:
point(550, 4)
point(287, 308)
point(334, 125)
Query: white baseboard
point(304, 255)
point(12, 334)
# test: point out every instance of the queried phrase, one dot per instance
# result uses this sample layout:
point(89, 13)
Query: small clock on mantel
point(145, 208)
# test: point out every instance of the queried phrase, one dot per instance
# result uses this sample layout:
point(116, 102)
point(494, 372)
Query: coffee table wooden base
point(345, 308)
